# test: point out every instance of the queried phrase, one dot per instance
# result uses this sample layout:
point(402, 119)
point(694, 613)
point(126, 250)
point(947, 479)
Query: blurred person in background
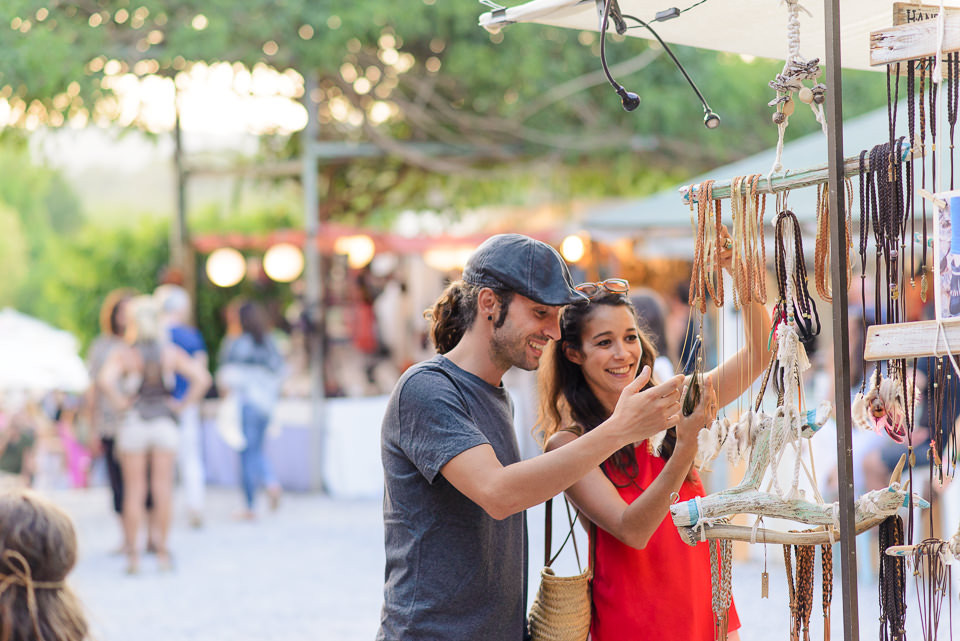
point(38, 548)
point(18, 441)
point(101, 415)
point(652, 316)
point(176, 312)
point(61, 410)
point(252, 369)
point(679, 323)
point(231, 329)
point(138, 381)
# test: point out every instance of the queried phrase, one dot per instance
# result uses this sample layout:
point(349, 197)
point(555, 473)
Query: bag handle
point(572, 519)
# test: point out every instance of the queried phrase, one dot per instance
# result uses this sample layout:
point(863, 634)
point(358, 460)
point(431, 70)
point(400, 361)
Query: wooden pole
point(841, 340)
point(314, 283)
point(179, 236)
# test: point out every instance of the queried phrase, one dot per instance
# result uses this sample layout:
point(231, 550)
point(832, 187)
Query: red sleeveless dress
point(661, 592)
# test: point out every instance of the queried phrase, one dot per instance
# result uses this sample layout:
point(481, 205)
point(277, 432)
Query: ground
point(314, 571)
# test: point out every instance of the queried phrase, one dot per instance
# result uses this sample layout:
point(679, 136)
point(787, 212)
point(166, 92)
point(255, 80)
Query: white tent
point(749, 27)
point(35, 357)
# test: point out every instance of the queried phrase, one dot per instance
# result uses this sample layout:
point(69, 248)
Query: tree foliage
point(418, 71)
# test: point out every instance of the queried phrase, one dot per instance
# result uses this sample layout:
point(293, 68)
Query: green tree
point(69, 281)
point(528, 98)
point(13, 255)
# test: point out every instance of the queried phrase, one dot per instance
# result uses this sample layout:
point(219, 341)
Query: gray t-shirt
point(452, 571)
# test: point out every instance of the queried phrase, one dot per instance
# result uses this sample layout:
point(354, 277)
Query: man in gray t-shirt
point(455, 487)
point(446, 555)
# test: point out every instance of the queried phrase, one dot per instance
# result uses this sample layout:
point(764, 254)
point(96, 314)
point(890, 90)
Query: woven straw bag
point(561, 608)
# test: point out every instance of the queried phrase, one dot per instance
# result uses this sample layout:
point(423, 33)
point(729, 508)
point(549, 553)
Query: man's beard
point(508, 350)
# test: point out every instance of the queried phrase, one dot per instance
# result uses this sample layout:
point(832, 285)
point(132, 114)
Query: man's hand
point(640, 415)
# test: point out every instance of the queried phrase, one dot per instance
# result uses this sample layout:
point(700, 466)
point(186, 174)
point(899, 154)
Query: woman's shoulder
point(563, 436)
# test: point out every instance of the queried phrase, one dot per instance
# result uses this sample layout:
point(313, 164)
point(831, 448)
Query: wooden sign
point(912, 41)
point(910, 12)
point(912, 340)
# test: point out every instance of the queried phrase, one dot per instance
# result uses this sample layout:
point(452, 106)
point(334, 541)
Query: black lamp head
point(710, 119)
point(629, 99)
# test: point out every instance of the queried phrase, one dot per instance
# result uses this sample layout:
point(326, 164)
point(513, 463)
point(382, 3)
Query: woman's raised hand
point(644, 413)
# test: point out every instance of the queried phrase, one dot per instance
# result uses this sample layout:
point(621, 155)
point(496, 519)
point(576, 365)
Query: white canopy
point(748, 27)
point(35, 357)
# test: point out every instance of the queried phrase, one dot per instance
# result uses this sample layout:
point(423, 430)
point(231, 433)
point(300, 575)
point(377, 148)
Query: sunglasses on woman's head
point(611, 285)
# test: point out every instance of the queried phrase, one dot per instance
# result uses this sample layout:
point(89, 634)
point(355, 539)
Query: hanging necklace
point(791, 591)
point(721, 555)
point(933, 580)
point(707, 241)
point(738, 206)
point(881, 206)
point(912, 134)
point(892, 581)
point(801, 589)
point(747, 208)
point(933, 95)
point(758, 246)
point(921, 108)
point(821, 259)
point(798, 306)
point(826, 566)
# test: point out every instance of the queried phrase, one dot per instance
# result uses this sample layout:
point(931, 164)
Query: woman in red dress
point(648, 584)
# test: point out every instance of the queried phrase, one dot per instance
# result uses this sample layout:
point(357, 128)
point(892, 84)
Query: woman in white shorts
point(138, 381)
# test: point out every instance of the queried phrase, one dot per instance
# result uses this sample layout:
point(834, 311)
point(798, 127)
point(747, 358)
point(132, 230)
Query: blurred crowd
point(139, 428)
point(139, 422)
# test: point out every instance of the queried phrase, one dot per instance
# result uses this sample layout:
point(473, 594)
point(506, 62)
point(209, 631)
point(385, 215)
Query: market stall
point(904, 235)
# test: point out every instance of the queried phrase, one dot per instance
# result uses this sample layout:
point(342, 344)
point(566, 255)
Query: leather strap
point(548, 535)
point(548, 531)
